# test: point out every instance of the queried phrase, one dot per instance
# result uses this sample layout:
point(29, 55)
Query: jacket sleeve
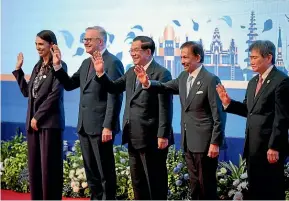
point(280, 128)
point(171, 86)
point(23, 84)
point(69, 83)
point(165, 101)
point(238, 108)
point(219, 116)
point(113, 87)
point(114, 101)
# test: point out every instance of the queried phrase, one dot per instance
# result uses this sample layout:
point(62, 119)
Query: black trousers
point(45, 164)
point(99, 166)
point(202, 172)
point(266, 181)
point(148, 173)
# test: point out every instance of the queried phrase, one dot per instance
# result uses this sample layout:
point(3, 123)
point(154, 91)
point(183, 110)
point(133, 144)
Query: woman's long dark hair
point(49, 37)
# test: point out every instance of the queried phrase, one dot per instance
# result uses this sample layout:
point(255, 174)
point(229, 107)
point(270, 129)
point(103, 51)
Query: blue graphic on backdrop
point(287, 17)
point(268, 25)
point(227, 19)
point(81, 37)
point(119, 55)
point(195, 25)
point(139, 27)
point(110, 38)
point(217, 59)
point(79, 51)
point(68, 38)
point(130, 35)
point(177, 23)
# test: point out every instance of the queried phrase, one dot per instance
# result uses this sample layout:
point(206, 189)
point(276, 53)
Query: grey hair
point(101, 30)
point(265, 48)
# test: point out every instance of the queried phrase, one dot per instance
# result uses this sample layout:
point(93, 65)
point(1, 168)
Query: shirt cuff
point(57, 67)
point(146, 87)
point(99, 75)
point(226, 106)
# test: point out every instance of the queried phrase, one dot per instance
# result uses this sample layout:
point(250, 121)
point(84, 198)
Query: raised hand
point(20, 60)
point(98, 62)
point(226, 100)
point(56, 55)
point(141, 75)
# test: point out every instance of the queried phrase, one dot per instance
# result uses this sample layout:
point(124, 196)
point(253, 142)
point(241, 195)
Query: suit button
point(251, 114)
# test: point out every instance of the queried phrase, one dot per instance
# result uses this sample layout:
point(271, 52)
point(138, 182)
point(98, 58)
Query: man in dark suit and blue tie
point(146, 122)
point(98, 119)
point(266, 107)
point(203, 121)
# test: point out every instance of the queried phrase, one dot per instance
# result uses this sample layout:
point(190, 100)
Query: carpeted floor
point(11, 195)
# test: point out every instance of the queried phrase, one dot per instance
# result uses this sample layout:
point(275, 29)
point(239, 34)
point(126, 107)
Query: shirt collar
point(148, 64)
point(102, 51)
point(196, 72)
point(266, 73)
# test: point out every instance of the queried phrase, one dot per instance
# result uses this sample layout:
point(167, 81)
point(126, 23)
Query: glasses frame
point(89, 39)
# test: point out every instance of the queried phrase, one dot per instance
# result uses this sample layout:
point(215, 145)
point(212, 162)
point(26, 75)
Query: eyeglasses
point(135, 50)
point(89, 39)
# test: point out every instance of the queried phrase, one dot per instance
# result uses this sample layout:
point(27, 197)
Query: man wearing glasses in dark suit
point(98, 120)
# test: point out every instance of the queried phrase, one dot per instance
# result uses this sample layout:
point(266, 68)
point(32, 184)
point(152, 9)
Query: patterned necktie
point(189, 84)
point(259, 85)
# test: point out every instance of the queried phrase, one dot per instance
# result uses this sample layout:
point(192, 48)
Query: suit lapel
point(251, 93)
point(264, 86)
point(90, 75)
point(32, 78)
point(183, 94)
point(86, 77)
point(196, 86)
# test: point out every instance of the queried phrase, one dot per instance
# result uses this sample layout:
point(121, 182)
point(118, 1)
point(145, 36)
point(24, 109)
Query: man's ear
point(198, 58)
point(149, 52)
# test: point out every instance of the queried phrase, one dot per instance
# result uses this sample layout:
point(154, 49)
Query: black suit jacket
point(147, 116)
point(202, 120)
point(48, 107)
point(267, 114)
point(97, 108)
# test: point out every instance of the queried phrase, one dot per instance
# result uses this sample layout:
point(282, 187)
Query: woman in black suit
point(45, 121)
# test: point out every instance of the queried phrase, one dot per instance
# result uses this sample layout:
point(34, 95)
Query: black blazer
point(48, 107)
point(147, 116)
point(267, 114)
point(202, 120)
point(97, 108)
